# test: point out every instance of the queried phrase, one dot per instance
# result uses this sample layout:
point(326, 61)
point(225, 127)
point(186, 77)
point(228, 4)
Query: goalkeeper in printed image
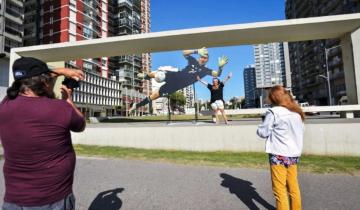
point(178, 80)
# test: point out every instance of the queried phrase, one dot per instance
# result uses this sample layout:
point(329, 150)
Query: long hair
point(279, 96)
point(41, 85)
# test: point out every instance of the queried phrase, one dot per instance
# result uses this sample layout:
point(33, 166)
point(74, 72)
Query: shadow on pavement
point(107, 200)
point(244, 190)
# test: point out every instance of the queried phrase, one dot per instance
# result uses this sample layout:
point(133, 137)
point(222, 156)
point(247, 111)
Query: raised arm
point(72, 73)
point(202, 52)
point(221, 63)
point(203, 82)
point(227, 78)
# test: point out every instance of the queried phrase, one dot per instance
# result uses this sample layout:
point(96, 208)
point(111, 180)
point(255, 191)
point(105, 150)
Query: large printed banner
point(174, 81)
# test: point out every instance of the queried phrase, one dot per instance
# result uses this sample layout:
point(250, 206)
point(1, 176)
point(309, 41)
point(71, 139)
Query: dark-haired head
point(215, 81)
point(40, 85)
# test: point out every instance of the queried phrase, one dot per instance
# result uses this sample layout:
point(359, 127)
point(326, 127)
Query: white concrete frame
point(345, 27)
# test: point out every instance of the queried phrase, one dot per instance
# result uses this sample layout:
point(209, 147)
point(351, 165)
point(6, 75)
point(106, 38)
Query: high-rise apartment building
point(271, 68)
point(11, 33)
point(250, 86)
point(49, 21)
point(269, 65)
point(130, 17)
point(308, 59)
point(189, 96)
point(146, 58)
point(110, 83)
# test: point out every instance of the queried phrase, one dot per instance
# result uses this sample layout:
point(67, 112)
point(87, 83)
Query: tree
point(242, 103)
point(234, 103)
point(177, 101)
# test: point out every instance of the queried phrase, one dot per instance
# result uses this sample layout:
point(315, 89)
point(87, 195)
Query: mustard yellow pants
point(285, 184)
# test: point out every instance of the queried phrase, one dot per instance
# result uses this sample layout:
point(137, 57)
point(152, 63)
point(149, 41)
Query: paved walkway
point(140, 185)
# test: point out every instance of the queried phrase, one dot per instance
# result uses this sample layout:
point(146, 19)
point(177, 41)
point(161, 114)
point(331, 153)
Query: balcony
point(127, 74)
point(92, 16)
point(92, 4)
point(19, 3)
point(335, 62)
point(125, 22)
point(329, 7)
point(14, 16)
point(137, 22)
point(127, 3)
point(90, 31)
point(13, 31)
point(127, 83)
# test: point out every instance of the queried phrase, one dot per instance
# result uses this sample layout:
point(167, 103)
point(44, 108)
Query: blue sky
point(181, 14)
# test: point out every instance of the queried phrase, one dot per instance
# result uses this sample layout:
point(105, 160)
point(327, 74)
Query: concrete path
point(141, 185)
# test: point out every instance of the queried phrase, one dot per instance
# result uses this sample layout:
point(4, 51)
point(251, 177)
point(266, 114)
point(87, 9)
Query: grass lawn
point(308, 163)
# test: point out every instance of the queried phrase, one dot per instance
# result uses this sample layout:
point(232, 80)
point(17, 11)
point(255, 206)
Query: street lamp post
point(327, 77)
point(122, 80)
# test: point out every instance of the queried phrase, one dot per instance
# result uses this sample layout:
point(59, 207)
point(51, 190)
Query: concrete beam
point(13, 57)
point(350, 45)
point(217, 36)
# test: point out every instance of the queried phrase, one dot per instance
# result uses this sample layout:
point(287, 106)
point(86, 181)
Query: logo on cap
point(18, 73)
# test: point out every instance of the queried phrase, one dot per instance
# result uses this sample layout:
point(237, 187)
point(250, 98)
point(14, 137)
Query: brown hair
point(279, 96)
point(38, 84)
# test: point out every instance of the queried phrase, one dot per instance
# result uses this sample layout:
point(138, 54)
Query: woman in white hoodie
point(283, 130)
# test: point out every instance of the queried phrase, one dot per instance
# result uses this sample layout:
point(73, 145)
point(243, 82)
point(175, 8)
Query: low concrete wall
point(320, 139)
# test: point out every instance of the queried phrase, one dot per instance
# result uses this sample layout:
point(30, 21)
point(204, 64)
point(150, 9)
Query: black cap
point(27, 67)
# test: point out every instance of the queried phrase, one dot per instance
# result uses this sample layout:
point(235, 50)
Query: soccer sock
point(147, 77)
point(143, 102)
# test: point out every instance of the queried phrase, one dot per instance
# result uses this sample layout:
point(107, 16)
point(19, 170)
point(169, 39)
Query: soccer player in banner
point(178, 80)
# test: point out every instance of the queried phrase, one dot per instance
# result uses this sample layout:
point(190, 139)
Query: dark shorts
point(166, 89)
point(68, 203)
point(174, 82)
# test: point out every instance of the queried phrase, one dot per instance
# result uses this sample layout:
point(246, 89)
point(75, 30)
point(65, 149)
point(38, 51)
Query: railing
point(13, 13)
point(13, 31)
point(91, 3)
point(125, 2)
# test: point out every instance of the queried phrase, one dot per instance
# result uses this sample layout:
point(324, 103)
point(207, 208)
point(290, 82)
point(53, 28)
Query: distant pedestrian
point(283, 129)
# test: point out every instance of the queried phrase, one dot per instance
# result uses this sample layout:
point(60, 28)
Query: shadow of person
point(244, 191)
point(107, 200)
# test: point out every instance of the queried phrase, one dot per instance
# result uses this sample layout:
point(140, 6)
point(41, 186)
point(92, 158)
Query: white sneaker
point(214, 119)
point(132, 108)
